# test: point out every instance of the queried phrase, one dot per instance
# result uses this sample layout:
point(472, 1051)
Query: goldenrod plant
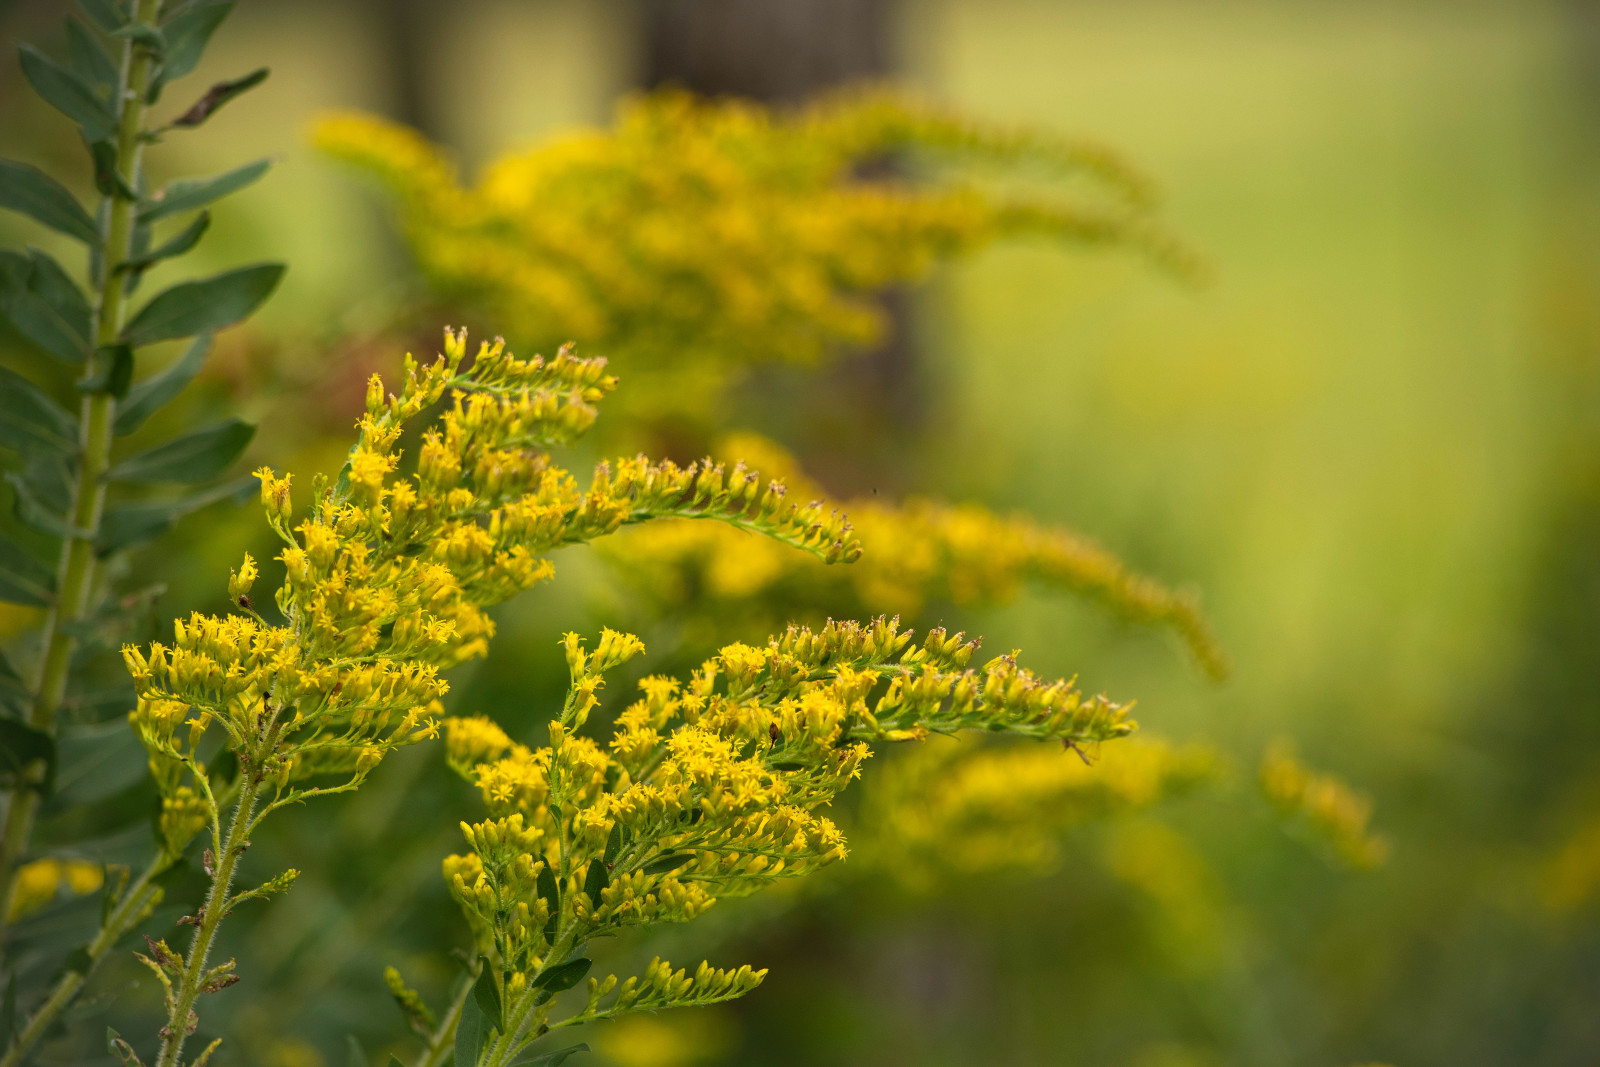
point(78, 493)
point(696, 238)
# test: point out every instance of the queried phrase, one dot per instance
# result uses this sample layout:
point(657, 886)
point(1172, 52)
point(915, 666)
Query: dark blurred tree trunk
point(785, 52)
point(404, 38)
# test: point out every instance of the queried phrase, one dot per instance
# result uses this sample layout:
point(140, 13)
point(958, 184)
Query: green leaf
point(613, 844)
point(98, 761)
point(662, 864)
point(564, 975)
point(33, 512)
point(44, 305)
point(34, 193)
point(595, 881)
point(115, 373)
point(30, 419)
point(194, 457)
point(108, 180)
point(145, 397)
point(21, 748)
point(175, 245)
point(356, 1056)
point(550, 1059)
point(23, 580)
point(50, 476)
point(69, 94)
point(109, 15)
point(137, 523)
point(394, 1061)
point(189, 193)
point(487, 994)
point(187, 34)
point(218, 95)
point(88, 59)
point(203, 306)
point(472, 1033)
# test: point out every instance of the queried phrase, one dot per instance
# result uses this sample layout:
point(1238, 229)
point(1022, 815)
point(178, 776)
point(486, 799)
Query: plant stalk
point(75, 573)
point(175, 1032)
point(136, 900)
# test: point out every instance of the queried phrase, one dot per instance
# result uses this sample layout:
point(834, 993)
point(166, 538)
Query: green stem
point(443, 1043)
point(519, 1020)
point(174, 1033)
point(75, 575)
point(136, 901)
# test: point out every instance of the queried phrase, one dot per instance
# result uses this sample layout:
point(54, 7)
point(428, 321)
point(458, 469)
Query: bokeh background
point(1373, 441)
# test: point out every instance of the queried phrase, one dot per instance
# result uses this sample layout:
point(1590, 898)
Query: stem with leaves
point(76, 571)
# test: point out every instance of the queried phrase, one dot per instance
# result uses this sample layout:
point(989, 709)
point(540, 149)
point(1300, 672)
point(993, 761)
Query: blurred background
point(1372, 441)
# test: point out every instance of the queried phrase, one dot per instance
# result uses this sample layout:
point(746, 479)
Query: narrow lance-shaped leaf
point(210, 304)
point(30, 419)
point(23, 579)
point(218, 95)
point(194, 457)
point(147, 396)
point(550, 1059)
point(176, 245)
point(472, 1032)
point(32, 192)
point(88, 59)
point(189, 193)
point(44, 305)
point(109, 15)
point(187, 34)
point(115, 372)
point(108, 180)
point(35, 513)
point(136, 524)
point(69, 94)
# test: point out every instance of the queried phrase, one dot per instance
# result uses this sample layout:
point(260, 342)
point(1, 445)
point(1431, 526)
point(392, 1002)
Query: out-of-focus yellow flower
point(1336, 812)
point(695, 237)
point(38, 883)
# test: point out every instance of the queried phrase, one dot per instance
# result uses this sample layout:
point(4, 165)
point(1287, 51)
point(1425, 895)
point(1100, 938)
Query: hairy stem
point(519, 1018)
point(136, 901)
point(212, 912)
point(75, 574)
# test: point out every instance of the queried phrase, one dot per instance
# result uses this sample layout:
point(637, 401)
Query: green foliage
point(73, 486)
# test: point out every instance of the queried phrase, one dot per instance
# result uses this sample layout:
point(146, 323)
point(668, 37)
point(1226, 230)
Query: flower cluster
point(941, 810)
point(1331, 808)
point(707, 789)
point(695, 237)
point(388, 577)
point(915, 552)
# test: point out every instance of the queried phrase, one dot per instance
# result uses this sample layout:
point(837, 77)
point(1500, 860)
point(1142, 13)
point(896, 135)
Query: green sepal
point(22, 746)
point(44, 305)
point(109, 15)
point(176, 245)
point(564, 975)
point(196, 307)
point(23, 580)
point(550, 1059)
point(218, 95)
point(194, 457)
point(115, 373)
point(69, 94)
point(487, 993)
point(135, 524)
point(187, 194)
point(31, 420)
point(88, 59)
point(148, 396)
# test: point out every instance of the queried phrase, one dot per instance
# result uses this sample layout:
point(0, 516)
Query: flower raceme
point(706, 790)
point(387, 579)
